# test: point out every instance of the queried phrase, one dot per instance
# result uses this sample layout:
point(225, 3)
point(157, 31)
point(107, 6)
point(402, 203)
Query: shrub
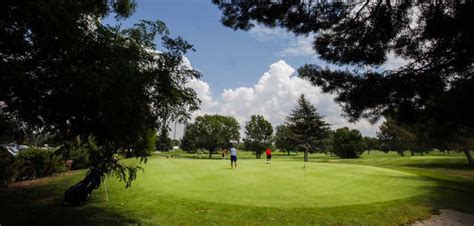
point(78, 152)
point(348, 143)
point(34, 163)
point(145, 147)
point(7, 167)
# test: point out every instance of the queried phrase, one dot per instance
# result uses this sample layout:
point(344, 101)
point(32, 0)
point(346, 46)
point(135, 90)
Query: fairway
point(282, 184)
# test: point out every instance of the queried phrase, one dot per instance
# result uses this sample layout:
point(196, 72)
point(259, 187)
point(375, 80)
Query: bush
point(7, 167)
point(79, 157)
point(348, 143)
point(34, 163)
point(78, 152)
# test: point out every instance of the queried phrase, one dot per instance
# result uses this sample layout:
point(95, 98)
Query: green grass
point(377, 189)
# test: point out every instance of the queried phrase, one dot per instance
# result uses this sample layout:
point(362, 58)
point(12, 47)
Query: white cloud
point(291, 44)
point(264, 33)
point(273, 96)
point(393, 62)
point(204, 93)
point(299, 46)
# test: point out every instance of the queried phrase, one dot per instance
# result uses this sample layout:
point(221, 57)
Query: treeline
point(305, 130)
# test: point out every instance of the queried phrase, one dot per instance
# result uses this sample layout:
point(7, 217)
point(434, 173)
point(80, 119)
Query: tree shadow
point(446, 193)
point(446, 165)
point(37, 206)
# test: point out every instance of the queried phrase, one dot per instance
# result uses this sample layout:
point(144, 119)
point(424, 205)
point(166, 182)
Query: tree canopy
point(433, 37)
point(283, 139)
point(211, 132)
point(348, 143)
point(64, 71)
point(394, 137)
point(258, 134)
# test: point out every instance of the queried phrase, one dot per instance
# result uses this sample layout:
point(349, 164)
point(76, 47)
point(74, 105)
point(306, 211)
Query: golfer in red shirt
point(269, 154)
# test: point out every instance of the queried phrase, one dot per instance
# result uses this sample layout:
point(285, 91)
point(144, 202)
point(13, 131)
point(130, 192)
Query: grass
point(377, 189)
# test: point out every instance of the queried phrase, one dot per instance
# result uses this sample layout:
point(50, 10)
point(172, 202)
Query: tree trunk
point(210, 153)
point(256, 155)
point(305, 155)
point(412, 153)
point(401, 153)
point(469, 157)
point(288, 153)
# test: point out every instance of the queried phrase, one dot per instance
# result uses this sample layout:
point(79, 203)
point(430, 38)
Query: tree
point(283, 139)
point(308, 129)
point(164, 142)
point(9, 130)
point(175, 143)
point(434, 86)
point(394, 137)
point(348, 143)
point(259, 133)
point(371, 143)
point(65, 72)
point(211, 132)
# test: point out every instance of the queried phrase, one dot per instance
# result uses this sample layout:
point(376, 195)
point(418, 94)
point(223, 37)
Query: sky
point(245, 72)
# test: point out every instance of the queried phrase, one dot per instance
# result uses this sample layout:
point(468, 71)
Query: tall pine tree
point(308, 129)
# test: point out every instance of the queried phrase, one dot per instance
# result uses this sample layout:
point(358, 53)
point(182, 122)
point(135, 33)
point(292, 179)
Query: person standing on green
point(269, 155)
point(233, 157)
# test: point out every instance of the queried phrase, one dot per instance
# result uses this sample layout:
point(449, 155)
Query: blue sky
point(227, 58)
point(245, 72)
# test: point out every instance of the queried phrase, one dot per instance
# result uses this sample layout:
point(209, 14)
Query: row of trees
point(429, 95)
point(304, 130)
point(400, 137)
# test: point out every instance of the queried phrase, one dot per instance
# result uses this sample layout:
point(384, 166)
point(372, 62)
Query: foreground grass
point(376, 189)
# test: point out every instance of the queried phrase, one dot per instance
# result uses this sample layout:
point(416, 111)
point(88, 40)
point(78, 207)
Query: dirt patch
point(448, 217)
point(38, 181)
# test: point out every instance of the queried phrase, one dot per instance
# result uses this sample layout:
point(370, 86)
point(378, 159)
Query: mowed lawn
point(377, 189)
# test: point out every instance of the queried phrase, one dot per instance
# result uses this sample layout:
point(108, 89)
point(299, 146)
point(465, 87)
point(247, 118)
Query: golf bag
point(81, 192)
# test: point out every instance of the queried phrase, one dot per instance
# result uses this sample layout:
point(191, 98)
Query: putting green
point(281, 184)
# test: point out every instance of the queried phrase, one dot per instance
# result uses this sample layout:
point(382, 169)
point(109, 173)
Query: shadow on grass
point(446, 193)
point(452, 195)
point(36, 206)
point(453, 165)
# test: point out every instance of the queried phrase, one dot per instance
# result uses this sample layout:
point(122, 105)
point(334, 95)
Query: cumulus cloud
point(273, 96)
point(203, 91)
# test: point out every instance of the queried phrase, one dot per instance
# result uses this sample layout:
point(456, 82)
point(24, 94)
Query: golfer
point(233, 157)
point(269, 155)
